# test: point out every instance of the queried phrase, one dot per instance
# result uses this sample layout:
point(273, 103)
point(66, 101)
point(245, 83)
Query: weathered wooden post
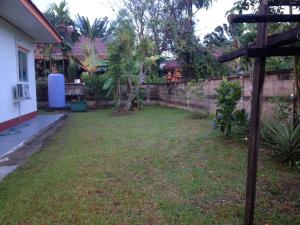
point(257, 87)
point(264, 47)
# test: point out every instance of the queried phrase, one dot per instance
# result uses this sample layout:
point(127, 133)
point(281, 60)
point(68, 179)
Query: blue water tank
point(56, 91)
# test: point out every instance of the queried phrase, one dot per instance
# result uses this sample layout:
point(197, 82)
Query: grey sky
point(206, 20)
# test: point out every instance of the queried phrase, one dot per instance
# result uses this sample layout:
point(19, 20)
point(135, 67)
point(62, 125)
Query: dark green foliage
point(72, 70)
point(282, 110)
point(228, 95)
point(279, 63)
point(220, 37)
point(138, 101)
point(205, 65)
point(154, 78)
point(241, 124)
point(240, 118)
point(282, 133)
point(94, 87)
point(283, 137)
point(120, 55)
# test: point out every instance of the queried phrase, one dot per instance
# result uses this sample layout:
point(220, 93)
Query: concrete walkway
point(15, 138)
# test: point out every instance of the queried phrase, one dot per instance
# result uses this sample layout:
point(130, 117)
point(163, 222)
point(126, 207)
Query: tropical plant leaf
point(108, 83)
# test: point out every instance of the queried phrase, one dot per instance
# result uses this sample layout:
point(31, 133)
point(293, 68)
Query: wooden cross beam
point(232, 55)
point(249, 18)
point(282, 2)
point(269, 52)
point(286, 37)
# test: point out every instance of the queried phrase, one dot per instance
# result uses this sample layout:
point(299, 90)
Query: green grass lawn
point(151, 167)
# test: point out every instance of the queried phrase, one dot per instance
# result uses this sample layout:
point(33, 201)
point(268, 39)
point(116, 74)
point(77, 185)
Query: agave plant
point(284, 139)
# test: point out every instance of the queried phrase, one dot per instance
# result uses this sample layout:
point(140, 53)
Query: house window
point(23, 67)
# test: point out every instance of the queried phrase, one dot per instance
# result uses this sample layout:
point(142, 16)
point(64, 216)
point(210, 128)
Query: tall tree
point(121, 56)
point(98, 29)
point(59, 16)
point(142, 52)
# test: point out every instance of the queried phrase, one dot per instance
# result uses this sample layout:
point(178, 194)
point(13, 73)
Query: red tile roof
point(77, 51)
point(172, 64)
point(100, 46)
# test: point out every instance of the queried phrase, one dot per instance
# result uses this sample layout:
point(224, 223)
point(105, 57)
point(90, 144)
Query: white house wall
point(10, 38)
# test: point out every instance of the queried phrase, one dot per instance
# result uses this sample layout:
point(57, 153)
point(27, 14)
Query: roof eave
point(31, 7)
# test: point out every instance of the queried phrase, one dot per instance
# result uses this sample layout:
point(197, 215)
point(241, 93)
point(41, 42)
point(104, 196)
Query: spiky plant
point(284, 139)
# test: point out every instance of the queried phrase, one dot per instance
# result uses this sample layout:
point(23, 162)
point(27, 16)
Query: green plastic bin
point(78, 106)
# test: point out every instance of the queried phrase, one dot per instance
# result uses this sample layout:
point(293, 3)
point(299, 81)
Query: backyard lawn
point(156, 166)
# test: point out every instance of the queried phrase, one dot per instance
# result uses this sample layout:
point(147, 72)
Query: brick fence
point(175, 95)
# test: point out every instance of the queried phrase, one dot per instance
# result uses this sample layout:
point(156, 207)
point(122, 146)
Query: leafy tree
point(184, 43)
point(142, 52)
point(228, 95)
point(120, 56)
point(220, 37)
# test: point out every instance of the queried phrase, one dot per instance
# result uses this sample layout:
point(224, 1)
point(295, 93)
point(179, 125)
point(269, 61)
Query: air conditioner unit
point(22, 91)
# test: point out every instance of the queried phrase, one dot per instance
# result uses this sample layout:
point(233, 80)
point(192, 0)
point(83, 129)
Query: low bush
point(228, 95)
point(94, 88)
point(284, 140)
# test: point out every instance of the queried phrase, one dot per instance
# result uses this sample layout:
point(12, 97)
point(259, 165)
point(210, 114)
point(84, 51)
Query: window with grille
point(23, 67)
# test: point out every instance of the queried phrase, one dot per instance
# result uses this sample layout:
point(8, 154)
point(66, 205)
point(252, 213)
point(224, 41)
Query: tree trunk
point(135, 90)
point(119, 94)
point(190, 32)
point(131, 97)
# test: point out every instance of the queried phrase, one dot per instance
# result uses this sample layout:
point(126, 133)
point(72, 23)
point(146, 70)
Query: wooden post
point(258, 81)
point(297, 81)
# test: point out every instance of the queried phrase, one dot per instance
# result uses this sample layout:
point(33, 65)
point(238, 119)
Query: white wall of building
point(10, 38)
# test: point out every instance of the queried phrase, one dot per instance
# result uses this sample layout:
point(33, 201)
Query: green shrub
point(284, 139)
point(228, 95)
point(241, 124)
point(282, 109)
point(240, 118)
point(94, 87)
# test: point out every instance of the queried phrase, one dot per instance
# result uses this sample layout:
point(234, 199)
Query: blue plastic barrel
point(56, 91)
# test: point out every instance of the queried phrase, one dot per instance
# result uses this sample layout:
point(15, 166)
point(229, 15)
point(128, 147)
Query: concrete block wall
point(175, 95)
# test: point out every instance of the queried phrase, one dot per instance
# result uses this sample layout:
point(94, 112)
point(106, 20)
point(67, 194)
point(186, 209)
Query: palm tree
point(90, 35)
point(59, 14)
point(96, 30)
